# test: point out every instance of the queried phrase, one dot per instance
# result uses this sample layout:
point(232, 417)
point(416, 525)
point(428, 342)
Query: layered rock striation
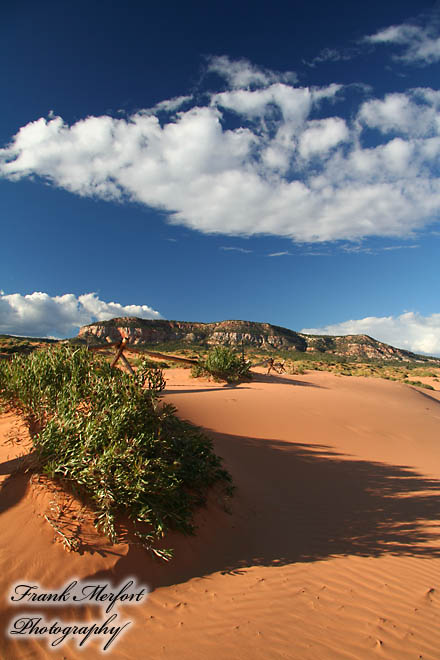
point(243, 333)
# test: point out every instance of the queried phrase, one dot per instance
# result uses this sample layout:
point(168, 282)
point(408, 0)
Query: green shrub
point(103, 431)
point(223, 363)
point(418, 383)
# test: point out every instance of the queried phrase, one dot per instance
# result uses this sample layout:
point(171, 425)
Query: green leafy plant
point(223, 363)
point(104, 431)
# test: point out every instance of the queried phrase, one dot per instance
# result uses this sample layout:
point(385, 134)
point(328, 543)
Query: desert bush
point(152, 364)
point(104, 431)
point(223, 363)
point(418, 383)
point(295, 368)
point(423, 371)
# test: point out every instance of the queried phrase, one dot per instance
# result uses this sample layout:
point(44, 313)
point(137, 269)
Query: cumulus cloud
point(40, 315)
point(420, 45)
point(411, 114)
point(410, 331)
point(276, 169)
point(321, 135)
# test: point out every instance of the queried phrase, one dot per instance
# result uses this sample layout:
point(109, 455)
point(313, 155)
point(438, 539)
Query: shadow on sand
point(256, 378)
point(295, 503)
point(282, 380)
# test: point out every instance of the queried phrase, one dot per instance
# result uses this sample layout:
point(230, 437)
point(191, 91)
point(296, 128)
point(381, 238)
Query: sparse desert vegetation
point(10, 345)
point(223, 363)
point(106, 434)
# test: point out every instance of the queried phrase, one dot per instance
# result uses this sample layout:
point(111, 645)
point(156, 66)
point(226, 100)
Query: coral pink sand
point(331, 549)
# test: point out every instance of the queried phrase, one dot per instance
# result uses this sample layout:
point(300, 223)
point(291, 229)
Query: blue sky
point(271, 162)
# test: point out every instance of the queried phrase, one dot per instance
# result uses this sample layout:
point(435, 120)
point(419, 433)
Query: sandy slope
point(332, 549)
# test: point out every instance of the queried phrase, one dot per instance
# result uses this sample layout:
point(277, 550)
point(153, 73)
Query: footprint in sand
point(431, 595)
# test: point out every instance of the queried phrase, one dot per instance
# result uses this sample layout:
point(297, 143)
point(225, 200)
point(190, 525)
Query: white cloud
point(414, 113)
point(420, 45)
point(242, 73)
point(321, 135)
point(280, 171)
point(332, 55)
point(279, 254)
point(40, 315)
point(314, 253)
point(410, 331)
point(170, 105)
point(399, 247)
point(359, 249)
point(235, 249)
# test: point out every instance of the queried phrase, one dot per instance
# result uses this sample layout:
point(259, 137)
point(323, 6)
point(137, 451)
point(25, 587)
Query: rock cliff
point(247, 333)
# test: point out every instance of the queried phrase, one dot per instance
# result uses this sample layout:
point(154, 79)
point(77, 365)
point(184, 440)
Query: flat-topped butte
point(249, 334)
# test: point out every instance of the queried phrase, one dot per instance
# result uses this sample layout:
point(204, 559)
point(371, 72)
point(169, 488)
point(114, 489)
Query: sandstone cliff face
point(248, 339)
point(357, 346)
point(238, 333)
point(231, 333)
point(136, 334)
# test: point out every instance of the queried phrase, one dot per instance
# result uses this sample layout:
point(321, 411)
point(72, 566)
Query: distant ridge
point(247, 333)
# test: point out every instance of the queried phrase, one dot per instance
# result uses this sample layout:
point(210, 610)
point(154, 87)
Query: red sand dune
point(331, 549)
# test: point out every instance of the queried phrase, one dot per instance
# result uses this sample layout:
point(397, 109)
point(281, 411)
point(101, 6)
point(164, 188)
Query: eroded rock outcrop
point(246, 333)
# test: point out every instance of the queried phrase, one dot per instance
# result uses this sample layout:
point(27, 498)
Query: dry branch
point(123, 358)
point(161, 356)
